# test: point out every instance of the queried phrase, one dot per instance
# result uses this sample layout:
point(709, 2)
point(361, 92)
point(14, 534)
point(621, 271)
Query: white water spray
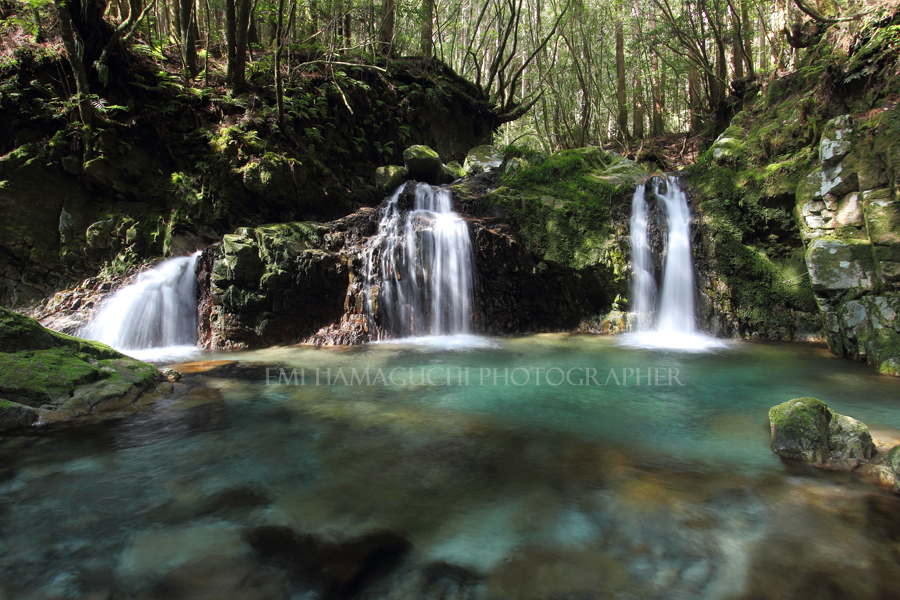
point(158, 310)
point(419, 271)
point(675, 321)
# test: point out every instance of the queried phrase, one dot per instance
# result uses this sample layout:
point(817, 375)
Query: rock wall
point(849, 219)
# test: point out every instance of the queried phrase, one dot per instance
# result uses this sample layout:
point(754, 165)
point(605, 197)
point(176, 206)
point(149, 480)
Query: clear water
point(505, 488)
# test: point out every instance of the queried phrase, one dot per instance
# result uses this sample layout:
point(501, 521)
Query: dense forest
point(560, 74)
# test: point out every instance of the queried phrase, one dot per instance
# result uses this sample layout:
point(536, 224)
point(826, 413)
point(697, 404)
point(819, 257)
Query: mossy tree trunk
point(622, 115)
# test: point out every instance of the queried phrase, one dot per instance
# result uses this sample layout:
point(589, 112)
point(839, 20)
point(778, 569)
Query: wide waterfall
point(667, 319)
point(419, 271)
point(158, 310)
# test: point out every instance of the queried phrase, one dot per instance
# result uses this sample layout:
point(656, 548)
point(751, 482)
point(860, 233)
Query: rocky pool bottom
point(486, 487)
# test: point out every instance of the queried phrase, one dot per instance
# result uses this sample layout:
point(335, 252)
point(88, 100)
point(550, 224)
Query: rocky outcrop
point(48, 376)
point(850, 223)
point(277, 283)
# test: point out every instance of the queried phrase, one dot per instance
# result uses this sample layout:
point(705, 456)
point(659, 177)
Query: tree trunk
point(81, 81)
point(230, 28)
point(748, 38)
point(737, 46)
point(386, 29)
point(694, 100)
point(279, 86)
point(188, 41)
point(638, 120)
point(242, 26)
point(622, 119)
point(427, 45)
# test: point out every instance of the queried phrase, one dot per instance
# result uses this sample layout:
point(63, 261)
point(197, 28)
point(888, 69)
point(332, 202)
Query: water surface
point(529, 467)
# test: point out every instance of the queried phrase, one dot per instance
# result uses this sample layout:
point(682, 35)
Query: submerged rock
point(339, 570)
point(806, 429)
point(44, 374)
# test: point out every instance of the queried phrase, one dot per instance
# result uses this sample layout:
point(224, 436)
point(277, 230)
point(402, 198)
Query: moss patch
point(42, 368)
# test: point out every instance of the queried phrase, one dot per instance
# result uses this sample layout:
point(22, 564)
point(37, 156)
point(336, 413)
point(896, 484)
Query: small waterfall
point(158, 310)
point(419, 271)
point(676, 307)
point(643, 284)
point(671, 325)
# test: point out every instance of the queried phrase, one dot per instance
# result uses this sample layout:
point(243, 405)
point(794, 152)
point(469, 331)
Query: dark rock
point(339, 570)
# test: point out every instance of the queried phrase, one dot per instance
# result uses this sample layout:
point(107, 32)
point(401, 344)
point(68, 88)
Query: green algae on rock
point(806, 429)
point(48, 374)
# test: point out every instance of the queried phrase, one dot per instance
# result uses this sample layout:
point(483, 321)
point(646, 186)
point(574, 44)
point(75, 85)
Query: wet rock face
point(277, 283)
point(806, 429)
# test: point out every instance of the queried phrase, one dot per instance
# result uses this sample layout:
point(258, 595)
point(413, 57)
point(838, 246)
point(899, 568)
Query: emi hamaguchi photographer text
point(480, 376)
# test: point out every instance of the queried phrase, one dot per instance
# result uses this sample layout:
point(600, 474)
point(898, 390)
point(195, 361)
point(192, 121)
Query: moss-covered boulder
point(390, 177)
point(50, 374)
point(806, 429)
point(423, 164)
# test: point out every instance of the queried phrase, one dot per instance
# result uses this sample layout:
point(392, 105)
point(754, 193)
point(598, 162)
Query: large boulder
point(806, 429)
point(423, 164)
point(50, 375)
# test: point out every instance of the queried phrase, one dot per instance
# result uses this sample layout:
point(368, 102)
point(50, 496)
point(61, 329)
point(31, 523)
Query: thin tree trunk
point(386, 29)
point(622, 119)
point(188, 41)
point(694, 101)
point(737, 46)
point(279, 86)
point(638, 120)
point(427, 42)
point(242, 25)
point(230, 39)
point(85, 108)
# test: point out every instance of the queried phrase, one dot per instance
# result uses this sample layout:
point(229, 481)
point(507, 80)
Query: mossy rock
point(806, 429)
point(423, 164)
point(893, 460)
point(840, 265)
point(16, 416)
point(390, 177)
point(799, 429)
point(61, 373)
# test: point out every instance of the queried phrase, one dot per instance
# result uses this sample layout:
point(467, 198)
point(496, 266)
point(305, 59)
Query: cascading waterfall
point(158, 310)
point(673, 324)
point(676, 306)
point(419, 271)
point(643, 285)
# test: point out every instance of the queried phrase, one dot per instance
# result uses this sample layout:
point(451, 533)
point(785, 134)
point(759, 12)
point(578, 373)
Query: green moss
point(562, 204)
point(41, 367)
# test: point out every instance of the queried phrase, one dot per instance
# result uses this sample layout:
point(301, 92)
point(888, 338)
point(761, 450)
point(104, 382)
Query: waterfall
point(643, 284)
point(676, 307)
point(665, 320)
point(419, 271)
point(158, 310)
